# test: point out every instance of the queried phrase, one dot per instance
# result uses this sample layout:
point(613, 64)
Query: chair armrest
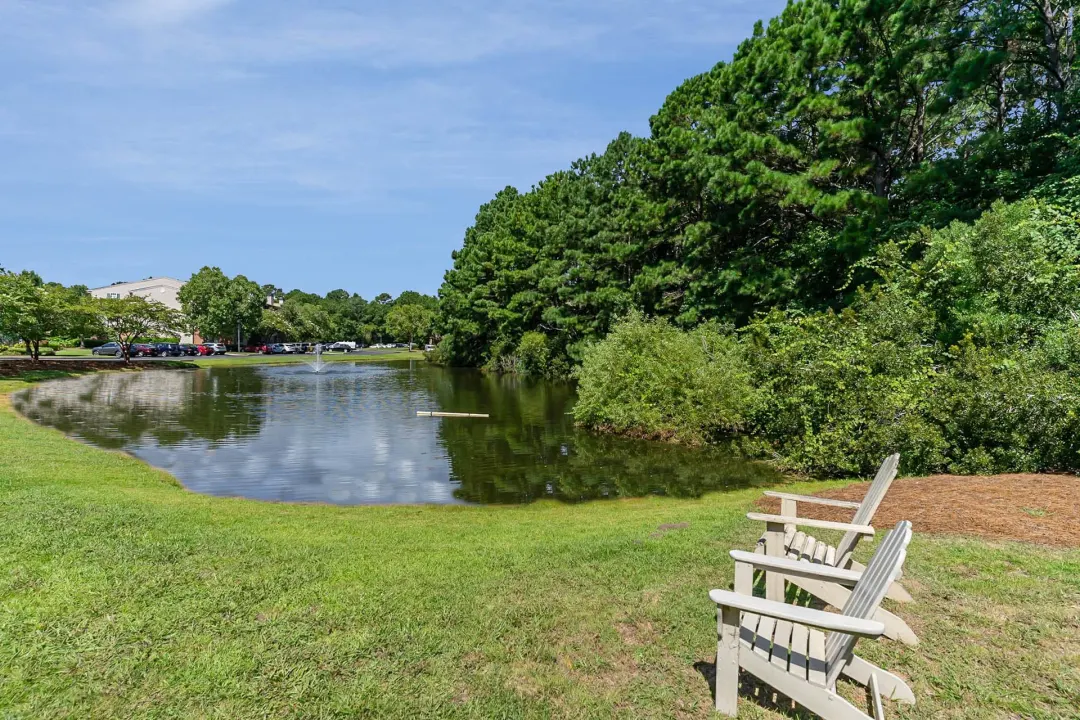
point(802, 615)
point(797, 568)
point(814, 500)
point(807, 522)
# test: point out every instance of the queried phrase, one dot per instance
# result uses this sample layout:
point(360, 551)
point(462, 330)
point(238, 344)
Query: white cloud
point(163, 13)
point(315, 101)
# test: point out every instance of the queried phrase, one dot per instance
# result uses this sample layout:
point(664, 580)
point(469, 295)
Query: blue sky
point(317, 144)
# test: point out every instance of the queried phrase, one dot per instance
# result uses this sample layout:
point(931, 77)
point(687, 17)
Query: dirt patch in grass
point(1034, 508)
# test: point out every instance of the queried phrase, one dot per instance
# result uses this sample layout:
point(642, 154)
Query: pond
point(350, 435)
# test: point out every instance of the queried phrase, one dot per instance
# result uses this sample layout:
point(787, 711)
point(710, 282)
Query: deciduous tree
point(126, 319)
point(29, 310)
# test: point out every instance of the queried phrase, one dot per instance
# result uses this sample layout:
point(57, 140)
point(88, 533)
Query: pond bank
point(124, 595)
point(13, 367)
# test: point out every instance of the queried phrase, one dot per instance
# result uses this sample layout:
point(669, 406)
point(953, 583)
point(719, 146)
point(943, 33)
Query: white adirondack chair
point(785, 646)
point(783, 538)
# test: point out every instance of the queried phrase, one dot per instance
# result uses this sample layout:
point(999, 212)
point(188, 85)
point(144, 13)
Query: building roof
point(148, 282)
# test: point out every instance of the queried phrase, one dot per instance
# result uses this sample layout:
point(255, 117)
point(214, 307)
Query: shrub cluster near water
point(965, 358)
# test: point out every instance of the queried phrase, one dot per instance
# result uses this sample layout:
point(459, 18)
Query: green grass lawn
point(123, 595)
point(75, 352)
point(260, 359)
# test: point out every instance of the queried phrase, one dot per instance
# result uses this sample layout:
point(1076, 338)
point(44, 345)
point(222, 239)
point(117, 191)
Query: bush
point(20, 349)
point(533, 355)
point(838, 392)
point(1006, 410)
point(964, 360)
point(650, 379)
point(961, 360)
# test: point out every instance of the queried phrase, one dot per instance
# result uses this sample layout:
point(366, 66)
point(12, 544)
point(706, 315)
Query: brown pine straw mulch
point(1033, 508)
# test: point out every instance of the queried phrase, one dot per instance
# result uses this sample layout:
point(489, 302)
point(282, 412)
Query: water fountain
point(319, 365)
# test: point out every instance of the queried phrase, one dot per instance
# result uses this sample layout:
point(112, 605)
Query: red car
point(206, 350)
point(259, 348)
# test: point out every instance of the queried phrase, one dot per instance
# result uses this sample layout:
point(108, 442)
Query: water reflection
point(532, 450)
point(351, 436)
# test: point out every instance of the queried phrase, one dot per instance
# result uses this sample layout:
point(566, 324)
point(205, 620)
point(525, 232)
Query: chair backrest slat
point(884, 567)
point(865, 514)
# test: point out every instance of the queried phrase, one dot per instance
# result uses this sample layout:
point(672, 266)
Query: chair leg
point(727, 661)
point(875, 698)
point(861, 671)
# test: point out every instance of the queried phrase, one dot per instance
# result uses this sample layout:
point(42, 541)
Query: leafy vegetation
point(770, 180)
point(219, 306)
point(649, 379)
point(29, 310)
point(409, 320)
point(127, 318)
point(964, 359)
point(829, 193)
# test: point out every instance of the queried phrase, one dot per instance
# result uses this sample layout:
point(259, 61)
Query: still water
point(350, 435)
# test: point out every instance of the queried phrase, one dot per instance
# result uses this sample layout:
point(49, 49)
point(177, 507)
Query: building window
point(113, 296)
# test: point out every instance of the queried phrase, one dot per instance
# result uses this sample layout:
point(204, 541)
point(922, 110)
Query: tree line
point(33, 312)
point(217, 306)
point(773, 180)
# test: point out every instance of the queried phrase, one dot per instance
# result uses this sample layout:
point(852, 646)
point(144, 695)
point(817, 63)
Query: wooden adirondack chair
point(783, 538)
point(785, 646)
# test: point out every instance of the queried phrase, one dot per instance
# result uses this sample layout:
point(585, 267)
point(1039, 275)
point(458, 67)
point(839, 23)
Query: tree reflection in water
point(116, 410)
point(530, 449)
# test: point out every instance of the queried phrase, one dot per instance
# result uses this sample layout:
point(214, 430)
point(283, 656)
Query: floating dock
point(425, 413)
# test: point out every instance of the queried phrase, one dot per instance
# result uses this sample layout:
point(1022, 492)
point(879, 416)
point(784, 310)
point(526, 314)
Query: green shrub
point(964, 360)
point(533, 355)
point(650, 379)
point(20, 349)
point(838, 392)
point(1006, 410)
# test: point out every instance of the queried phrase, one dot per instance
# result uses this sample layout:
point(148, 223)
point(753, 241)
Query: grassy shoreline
point(123, 594)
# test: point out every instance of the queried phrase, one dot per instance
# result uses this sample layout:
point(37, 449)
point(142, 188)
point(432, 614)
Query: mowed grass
point(124, 595)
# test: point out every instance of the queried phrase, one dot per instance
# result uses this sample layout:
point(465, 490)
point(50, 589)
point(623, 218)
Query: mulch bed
point(1034, 508)
point(13, 367)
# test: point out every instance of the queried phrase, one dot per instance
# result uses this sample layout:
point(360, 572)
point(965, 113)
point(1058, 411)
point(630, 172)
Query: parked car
point(218, 348)
point(205, 349)
point(144, 350)
point(168, 350)
point(340, 347)
point(277, 349)
point(189, 349)
point(109, 348)
point(429, 348)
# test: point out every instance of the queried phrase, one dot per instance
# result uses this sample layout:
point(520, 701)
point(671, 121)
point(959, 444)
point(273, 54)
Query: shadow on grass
point(752, 688)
